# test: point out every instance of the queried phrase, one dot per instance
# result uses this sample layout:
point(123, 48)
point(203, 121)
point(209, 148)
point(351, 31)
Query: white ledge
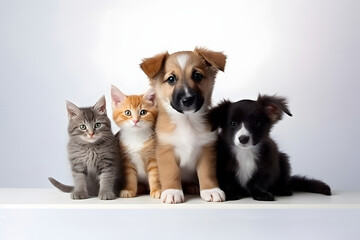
point(53, 199)
point(43, 214)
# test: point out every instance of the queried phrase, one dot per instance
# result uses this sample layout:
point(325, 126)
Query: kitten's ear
point(274, 106)
point(117, 96)
point(217, 115)
point(72, 110)
point(152, 66)
point(215, 59)
point(150, 97)
point(100, 105)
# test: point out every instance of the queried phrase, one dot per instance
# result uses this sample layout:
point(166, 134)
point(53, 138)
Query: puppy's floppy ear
point(217, 115)
point(215, 59)
point(152, 66)
point(274, 106)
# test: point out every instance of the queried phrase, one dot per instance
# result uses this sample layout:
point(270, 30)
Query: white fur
point(89, 139)
point(213, 195)
point(187, 93)
point(182, 60)
point(188, 139)
point(172, 196)
point(246, 158)
point(134, 139)
point(139, 165)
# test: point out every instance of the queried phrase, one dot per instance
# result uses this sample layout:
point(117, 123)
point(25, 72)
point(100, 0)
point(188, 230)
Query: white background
point(52, 51)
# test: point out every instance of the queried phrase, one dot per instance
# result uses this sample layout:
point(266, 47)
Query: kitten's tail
point(60, 186)
point(304, 184)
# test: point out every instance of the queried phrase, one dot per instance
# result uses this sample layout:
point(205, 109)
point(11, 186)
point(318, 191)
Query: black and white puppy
point(249, 162)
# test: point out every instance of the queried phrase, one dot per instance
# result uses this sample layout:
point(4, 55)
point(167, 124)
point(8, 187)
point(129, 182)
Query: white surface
point(52, 51)
point(54, 199)
point(49, 214)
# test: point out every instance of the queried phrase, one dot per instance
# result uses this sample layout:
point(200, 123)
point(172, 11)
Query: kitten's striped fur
point(93, 153)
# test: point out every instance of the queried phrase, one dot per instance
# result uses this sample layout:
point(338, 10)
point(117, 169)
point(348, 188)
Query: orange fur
point(158, 69)
point(130, 149)
point(134, 103)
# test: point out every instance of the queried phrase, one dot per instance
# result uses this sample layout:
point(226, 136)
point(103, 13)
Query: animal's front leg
point(169, 173)
point(80, 185)
point(131, 183)
point(153, 176)
point(233, 190)
point(107, 180)
point(257, 188)
point(206, 170)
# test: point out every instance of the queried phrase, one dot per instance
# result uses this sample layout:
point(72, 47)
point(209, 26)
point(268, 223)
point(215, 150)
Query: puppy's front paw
point(213, 195)
point(172, 196)
point(263, 196)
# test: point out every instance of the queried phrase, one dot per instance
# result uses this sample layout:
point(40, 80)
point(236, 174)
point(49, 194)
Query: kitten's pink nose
point(91, 134)
point(135, 121)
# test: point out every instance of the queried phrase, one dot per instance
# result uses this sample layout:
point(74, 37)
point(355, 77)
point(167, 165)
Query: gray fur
point(95, 162)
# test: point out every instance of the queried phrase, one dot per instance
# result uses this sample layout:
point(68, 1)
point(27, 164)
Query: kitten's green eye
point(143, 112)
point(82, 127)
point(127, 113)
point(233, 123)
point(97, 125)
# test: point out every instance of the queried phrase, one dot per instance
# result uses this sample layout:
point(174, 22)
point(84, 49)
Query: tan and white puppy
point(185, 152)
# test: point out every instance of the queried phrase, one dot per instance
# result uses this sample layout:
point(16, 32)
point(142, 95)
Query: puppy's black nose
point(187, 101)
point(244, 139)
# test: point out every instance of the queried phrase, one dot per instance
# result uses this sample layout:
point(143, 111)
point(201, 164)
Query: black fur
point(271, 175)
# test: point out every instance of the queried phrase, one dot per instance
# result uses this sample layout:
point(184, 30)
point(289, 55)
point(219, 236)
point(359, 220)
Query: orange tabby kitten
point(136, 116)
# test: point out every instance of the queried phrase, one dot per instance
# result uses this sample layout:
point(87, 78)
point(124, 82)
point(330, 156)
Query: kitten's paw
point(79, 195)
point(155, 194)
point(213, 195)
point(127, 194)
point(107, 196)
point(264, 196)
point(172, 196)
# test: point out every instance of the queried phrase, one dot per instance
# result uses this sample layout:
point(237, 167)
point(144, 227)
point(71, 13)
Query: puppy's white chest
point(246, 158)
point(188, 140)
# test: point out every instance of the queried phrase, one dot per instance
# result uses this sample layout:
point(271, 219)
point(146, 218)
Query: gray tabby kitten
point(93, 152)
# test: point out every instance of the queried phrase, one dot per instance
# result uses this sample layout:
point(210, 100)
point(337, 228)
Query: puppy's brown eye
point(171, 80)
point(197, 77)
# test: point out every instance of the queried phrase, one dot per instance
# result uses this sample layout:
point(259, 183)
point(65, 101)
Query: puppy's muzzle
point(244, 139)
point(187, 100)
